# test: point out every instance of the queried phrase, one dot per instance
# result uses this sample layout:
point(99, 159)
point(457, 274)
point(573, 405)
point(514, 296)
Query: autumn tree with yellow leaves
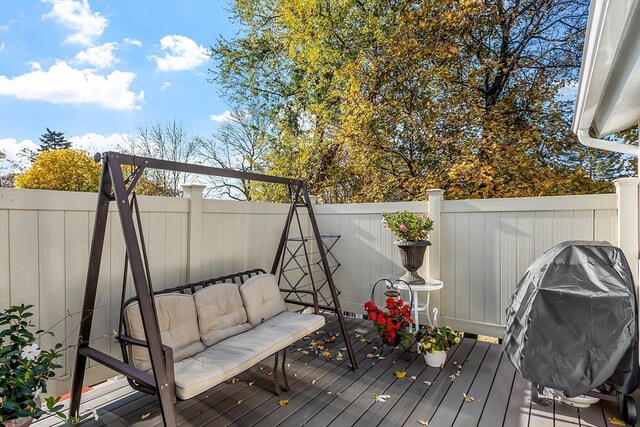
point(62, 169)
point(380, 100)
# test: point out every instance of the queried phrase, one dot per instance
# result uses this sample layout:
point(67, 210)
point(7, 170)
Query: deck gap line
point(484, 406)
point(472, 381)
point(504, 417)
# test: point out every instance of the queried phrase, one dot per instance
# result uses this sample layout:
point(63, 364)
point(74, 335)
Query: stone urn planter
point(435, 359)
point(412, 257)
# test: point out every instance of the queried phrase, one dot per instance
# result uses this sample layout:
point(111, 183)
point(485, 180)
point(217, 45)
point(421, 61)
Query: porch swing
point(157, 376)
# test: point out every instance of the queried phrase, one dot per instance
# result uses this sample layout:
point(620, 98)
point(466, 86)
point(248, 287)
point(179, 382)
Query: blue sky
point(95, 69)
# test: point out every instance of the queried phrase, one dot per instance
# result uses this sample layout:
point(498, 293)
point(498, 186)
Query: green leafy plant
point(407, 226)
point(24, 367)
point(432, 339)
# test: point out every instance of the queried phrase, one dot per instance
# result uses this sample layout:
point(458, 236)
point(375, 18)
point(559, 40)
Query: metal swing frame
point(115, 188)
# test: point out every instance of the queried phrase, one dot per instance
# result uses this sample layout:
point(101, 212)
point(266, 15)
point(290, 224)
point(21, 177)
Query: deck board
point(327, 392)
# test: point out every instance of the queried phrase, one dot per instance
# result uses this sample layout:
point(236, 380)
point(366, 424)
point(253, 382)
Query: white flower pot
point(435, 359)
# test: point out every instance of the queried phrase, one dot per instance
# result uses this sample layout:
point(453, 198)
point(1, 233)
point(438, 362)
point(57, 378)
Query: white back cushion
point(178, 328)
point(262, 299)
point(220, 312)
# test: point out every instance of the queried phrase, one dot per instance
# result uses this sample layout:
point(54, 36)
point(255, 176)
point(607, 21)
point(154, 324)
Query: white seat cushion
point(262, 299)
point(220, 312)
point(178, 328)
point(234, 355)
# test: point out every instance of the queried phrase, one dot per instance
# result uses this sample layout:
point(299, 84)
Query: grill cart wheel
point(628, 409)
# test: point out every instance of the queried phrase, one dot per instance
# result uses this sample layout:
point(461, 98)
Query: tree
point(378, 100)
point(240, 143)
point(52, 140)
point(61, 169)
point(168, 141)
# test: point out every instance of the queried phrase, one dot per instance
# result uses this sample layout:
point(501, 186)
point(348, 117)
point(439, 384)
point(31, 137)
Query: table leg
point(416, 324)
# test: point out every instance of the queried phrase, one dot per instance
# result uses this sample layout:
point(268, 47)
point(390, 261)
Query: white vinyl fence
point(480, 250)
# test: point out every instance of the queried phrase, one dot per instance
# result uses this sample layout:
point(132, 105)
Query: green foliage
point(373, 101)
point(407, 226)
point(63, 169)
point(52, 140)
point(24, 368)
point(432, 339)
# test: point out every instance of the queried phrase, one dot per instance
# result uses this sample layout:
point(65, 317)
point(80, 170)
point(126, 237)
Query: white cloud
point(165, 85)
point(95, 143)
point(62, 84)
point(221, 118)
point(12, 148)
point(98, 56)
point(2, 47)
point(181, 53)
point(77, 16)
point(133, 42)
point(4, 28)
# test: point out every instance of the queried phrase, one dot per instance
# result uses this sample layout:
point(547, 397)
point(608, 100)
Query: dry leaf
point(343, 348)
point(314, 381)
point(283, 402)
point(380, 397)
point(423, 422)
point(251, 382)
point(468, 398)
point(145, 416)
point(327, 354)
point(304, 352)
point(270, 373)
point(363, 340)
point(427, 382)
point(413, 378)
point(328, 392)
point(616, 422)
point(401, 374)
point(371, 356)
point(453, 377)
point(234, 380)
point(239, 402)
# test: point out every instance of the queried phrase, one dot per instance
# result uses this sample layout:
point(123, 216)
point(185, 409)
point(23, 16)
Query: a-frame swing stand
point(115, 188)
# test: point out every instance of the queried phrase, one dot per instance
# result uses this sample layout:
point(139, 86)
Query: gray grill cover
point(571, 321)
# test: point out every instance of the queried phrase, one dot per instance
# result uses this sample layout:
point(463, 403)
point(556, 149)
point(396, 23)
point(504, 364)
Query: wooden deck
point(325, 392)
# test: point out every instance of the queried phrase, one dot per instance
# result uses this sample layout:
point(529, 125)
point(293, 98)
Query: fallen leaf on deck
point(343, 348)
point(414, 378)
point(370, 356)
point(239, 402)
point(270, 373)
point(314, 381)
point(423, 422)
point(468, 398)
point(401, 374)
point(453, 377)
point(304, 352)
point(327, 354)
point(363, 340)
point(234, 380)
point(427, 382)
point(251, 382)
point(616, 422)
point(328, 392)
point(283, 402)
point(145, 416)
point(380, 397)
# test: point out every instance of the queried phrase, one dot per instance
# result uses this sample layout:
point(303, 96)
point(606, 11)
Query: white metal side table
point(417, 306)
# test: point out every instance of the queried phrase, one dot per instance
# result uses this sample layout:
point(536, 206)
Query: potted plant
point(434, 342)
point(391, 324)
point(412, 231)
point(24, 368)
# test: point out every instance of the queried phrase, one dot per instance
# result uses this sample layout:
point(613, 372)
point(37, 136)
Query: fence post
point(193, 192)
point(433, 269)
point(628, 224)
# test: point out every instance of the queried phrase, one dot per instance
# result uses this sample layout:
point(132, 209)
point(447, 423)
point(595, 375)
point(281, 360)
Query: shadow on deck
point(324, 391)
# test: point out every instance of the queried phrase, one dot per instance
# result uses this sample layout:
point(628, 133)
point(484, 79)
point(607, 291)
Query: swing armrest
point(167, 352)
point(314, 295)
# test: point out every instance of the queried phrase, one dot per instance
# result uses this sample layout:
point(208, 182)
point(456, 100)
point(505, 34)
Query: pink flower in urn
point(425, 216)
point(402, 228)
point(384, 224)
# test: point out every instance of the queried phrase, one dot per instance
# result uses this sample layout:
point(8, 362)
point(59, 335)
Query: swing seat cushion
point(176, 319)
point(262, 299)
point(220, 312)
point(236, 354)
